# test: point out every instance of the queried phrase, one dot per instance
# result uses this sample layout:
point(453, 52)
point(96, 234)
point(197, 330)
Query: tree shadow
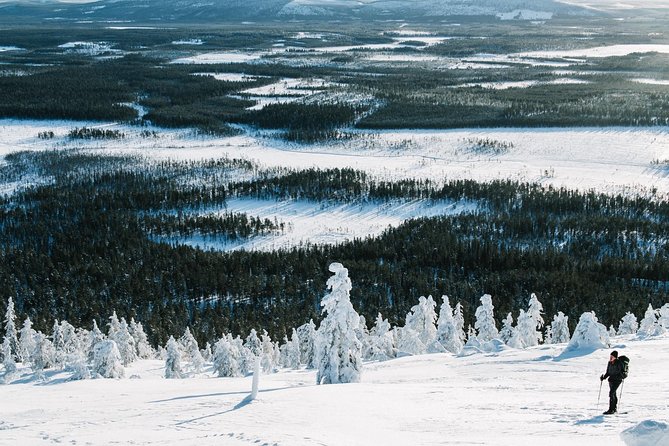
point(208, 395)
point(598, 419)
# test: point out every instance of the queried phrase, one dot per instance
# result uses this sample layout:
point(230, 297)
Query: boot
point(610, 412)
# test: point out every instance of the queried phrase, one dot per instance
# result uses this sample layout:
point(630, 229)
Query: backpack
point(625, 363)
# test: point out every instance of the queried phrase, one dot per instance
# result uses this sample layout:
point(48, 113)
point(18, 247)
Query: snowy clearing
point(509, 398)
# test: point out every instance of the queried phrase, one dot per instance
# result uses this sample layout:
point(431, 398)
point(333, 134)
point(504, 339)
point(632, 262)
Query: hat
point(614, 353)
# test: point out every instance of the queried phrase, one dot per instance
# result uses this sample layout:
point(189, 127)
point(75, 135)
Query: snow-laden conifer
point(224, 359)
point(125, 343)
point(114, 326)
point(8, 361)
point(107, 360)
point(485, 320)
point(612, 331)
point(143, 348)
point(206, 352)
point(459, 321)
point(94, 336)
point(380, 341)
point(191, 351)
point(448, 333)
point(560, 328)
point(409, 342)
point(268, 363)
point(526, 328)
point(628, 324)
point(42, 356)
point(649, 326)
point(293, 351)
point(589, 334)
point(548, 337)
point(58, 343)
point(507, 328)
point(10, 330)
point(663, 319)
point(534, 310)
point(173, 368)
point(422, 320)
point(307, 334)
point(363, 335)
point(253, 343)
point(338, 350)
point(26, 341)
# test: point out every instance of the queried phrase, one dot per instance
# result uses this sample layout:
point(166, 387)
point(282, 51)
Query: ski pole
point(620, 398)
point(600, 392)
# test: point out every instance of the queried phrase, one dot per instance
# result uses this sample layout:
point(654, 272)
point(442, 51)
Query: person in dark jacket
point(614, 372)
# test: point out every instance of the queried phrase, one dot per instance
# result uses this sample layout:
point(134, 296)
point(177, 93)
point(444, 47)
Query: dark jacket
point(614, 371)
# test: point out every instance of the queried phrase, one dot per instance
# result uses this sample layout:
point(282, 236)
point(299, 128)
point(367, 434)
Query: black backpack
point(625, 362)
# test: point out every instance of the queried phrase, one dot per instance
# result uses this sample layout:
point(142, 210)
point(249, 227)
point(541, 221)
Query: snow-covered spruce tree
point(589, 334)
point(380, 341)
point(42, 356)
point(26, 341)
point(409, 342)
point(548, 337)
point(649, 326)
point(125, 343)
point(560, 328)
point(663, 319)
point(447, 328)
point(338, 350)
point(253, 343)
point(459, 321)
point(191, 351)
point(534, 310)
point(293, 351)
point(94, 336)
point(422, 320)
point(526, 329)
point(363, 334)
point(173, 361)
point(224, 360)
point(628, 324)
point(516, 339)
point(10, 330)
point(58, 343)
point(507, 328)
point(144, 349)
point(612, 331)
point(485, 320)
point(114, 326)
point(8, 361)
point(206, 352)
point(107, 360)
point(307, 334)
point(267, 363)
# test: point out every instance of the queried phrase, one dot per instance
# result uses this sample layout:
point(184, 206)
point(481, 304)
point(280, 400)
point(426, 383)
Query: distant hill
point(269, 10)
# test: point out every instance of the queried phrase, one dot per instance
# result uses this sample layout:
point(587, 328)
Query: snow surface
point(510, 398)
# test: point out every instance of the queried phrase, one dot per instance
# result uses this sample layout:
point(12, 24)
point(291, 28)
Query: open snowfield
point(514, 397)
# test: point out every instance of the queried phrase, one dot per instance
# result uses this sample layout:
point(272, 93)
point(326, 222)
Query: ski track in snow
point(507, 398)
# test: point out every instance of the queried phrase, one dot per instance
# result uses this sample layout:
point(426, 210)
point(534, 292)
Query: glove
point(601, 378)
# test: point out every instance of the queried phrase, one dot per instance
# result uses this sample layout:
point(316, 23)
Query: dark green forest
point(92, 241)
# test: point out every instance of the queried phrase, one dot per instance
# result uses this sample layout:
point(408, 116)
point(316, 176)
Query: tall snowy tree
point(447, 328)
point(42, 356)
point(422, 320)
point(548, 337)
point(526, 328)
point(114, 327)
point(173, 368)
point(224, 359)
point(10, 330)
point(380, 341)
point(507, 329)
point(409, 342)
point(459, 321)
point(293, 351)
point(107, 360)
point(628, 324)
point(649, 326)
point(663, 320)
point(8, 361)
point(589, 334)
point(338, 350)
point(94, 336)
point(307, 334)
point(534, 310)
point(26, 341)
point(125, 343)
point(144, 349)
point(58, 343)
point(191, 351)
point(485, 320)
point(560, 328)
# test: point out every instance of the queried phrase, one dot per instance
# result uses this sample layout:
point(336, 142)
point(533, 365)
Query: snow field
point(507, 398)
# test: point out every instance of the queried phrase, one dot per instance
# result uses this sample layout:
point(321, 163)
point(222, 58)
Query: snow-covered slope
point(514, 397)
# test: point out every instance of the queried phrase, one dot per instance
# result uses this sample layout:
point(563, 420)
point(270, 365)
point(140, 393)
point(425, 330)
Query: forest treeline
point(88, 243)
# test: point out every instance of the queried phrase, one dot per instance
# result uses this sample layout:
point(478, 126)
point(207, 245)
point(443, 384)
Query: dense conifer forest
point(100, 236)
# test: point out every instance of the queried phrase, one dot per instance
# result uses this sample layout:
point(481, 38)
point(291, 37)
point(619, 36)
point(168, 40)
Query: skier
point(614, 371)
